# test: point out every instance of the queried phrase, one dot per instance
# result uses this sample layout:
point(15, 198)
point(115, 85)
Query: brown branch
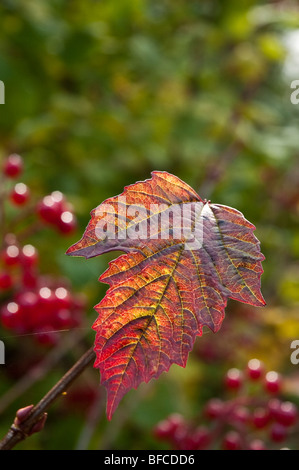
point(21, 431)
point(38, 371)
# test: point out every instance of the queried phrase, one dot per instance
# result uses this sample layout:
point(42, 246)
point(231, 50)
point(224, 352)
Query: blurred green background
point(100, 93)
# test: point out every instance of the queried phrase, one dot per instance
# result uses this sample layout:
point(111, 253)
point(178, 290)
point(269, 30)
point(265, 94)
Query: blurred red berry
point(6, 281)
point(255, 369)
point(47, 300)
point(200, 438)
point(20, 194)
point(49, 209)
point(63, 299)
point(165, 429)
point(239, 414)
point(233, 379)
point(274, 407)
point(278, 432)
point(11, 316)
point(261, 417)
point(11, 255)
point(59, 198)
point(29, 278)
point(62, 318)
point(232, 441)
point(55, 210)
point(257, 444)
point(272, 382)
point(29, 256)
point(67, 222)
point(28, 301)
point(286, 413)
point(214, 408)
point(13, 166)
point(181, 438)
point(46, 335)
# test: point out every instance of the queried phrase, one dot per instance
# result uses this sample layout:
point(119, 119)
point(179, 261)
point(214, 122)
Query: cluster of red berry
point(56, 211)
point(53, 209)
point(255, 418)
point(31, 303)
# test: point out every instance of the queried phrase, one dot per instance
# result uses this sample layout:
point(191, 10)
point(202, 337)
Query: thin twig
point(18, 433)
point(38, 371)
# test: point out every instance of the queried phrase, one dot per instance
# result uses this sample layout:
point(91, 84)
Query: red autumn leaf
point(184, 258)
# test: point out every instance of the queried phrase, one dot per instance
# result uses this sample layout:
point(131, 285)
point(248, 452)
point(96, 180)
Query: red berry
point(46, 296)
point(59, 198)
point(161, 430)
point(261, 417)
point(11, 316)
point(286, 414)
point(76, 317)
point(200, 438)
point(46, 336)
point(10, 255)
point(63, 299)
point(274, 407)
point(29, 278)
point(49, 209)
point(181, 438)
point(6, 281)
point(67, 222)
point(233, 379)
point(20, 194)
point(29, 256)
point(28, 302)
point(13, 166)
point(272, 382)
point(62, 319)
point(257, 444)
point(60, 201)
point(255, 369)
point(278, 432)
point(47, 302)
point(239, 414)
point(166, 428)
point(55, 210)
point(232, 441)
point(214, 408)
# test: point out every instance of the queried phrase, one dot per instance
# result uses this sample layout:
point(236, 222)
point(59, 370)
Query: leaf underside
point(164, 290)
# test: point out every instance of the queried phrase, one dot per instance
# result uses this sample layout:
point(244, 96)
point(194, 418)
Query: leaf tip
point(263, 302)
point(81, 249)
point(70, 251)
